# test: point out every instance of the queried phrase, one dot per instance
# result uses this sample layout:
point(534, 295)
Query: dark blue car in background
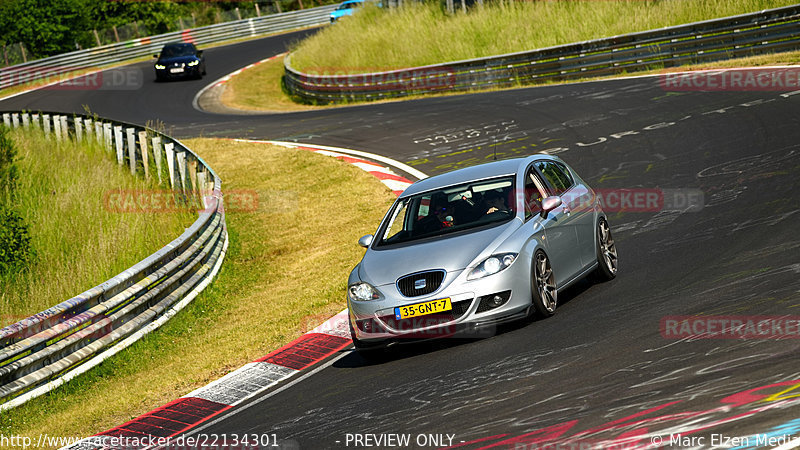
point(180, 60)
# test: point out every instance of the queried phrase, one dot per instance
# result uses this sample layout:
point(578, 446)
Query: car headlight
point(193, 63)
point(492, 265)
point(160, 66)
point(362, 292)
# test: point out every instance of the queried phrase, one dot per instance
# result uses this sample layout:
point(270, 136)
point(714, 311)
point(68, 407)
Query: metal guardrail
point(763, 32)
point(115, 53)
point(44, 350)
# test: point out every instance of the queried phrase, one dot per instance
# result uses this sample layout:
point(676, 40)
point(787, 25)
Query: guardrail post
point(26, 120)
point(57, 127)
point(15, 120)
point(78, 129)
point(64, 127)
point(168, 149)
point(7, 119)
point(182, 169)
point(118, 143)
point(131, 149)
point(157, 156)
point(87, 124)
point(35, 120)
point(107, 137)
point(201, 181)
point(143, 150)
point(193, 174)
point(46, 124)
point(98, 134)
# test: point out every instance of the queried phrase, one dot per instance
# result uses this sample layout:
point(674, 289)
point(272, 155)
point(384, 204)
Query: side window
point(533, 194)
point(566, 174)
point(557, 176)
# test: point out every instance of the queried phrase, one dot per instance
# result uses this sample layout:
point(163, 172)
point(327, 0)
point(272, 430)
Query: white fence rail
point(96, 57)
point(44, 350)
point(767, 31)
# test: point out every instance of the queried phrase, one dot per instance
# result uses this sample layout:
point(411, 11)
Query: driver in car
point(495, 201)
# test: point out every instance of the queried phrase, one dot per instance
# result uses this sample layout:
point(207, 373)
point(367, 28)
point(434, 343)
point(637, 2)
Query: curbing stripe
point(328, 338)
point(237, 385)
point(307, 350)
point(162, 422)
point(396, 183)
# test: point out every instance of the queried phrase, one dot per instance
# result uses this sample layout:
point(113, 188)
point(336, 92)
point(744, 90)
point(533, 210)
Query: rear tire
point(606, 252)
point(544, 294)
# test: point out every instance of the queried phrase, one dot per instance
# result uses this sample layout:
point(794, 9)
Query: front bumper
point(168, 74)
point(374, 322)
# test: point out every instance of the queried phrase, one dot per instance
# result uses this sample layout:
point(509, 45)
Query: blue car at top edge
point(346, 8)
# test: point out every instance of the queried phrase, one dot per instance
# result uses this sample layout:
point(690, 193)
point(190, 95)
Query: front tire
point(367, 351)
point(544, 293)
point(606, 252)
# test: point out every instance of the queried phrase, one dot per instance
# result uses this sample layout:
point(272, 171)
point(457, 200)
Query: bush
point(15, 241)
point(8, 170)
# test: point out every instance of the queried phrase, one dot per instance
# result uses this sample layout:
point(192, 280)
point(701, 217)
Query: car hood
point(451, 253)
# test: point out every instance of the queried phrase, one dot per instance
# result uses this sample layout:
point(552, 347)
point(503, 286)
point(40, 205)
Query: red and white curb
point(227, 77)
point(201, 405)
point(363, 160)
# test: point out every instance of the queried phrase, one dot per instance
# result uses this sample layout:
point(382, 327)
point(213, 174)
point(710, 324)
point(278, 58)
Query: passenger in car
point(440, 215)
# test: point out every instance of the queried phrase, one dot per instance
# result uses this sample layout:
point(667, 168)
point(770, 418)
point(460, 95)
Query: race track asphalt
point(601, 368)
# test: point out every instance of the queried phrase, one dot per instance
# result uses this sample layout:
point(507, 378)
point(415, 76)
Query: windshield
point(171, 51)
point(444, 211)
point(348, 5)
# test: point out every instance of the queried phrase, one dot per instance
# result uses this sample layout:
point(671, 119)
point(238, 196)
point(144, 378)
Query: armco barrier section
point(42, 351)
point(763, 32)
point(115, 53)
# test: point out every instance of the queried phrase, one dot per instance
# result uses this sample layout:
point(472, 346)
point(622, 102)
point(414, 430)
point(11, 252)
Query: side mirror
point(155, 56)
point(365, 240)
point(549, 204)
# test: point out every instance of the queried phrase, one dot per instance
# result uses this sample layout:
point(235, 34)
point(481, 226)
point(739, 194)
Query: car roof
point(473, 173)
point(178, 44)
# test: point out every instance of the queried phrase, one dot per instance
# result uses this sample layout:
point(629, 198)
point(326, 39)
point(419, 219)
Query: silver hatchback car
point(475, 247)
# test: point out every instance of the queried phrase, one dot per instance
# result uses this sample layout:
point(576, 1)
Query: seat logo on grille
point(420, 284)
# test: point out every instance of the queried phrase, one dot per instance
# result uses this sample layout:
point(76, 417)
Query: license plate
point(422, 309)
point(176, 70)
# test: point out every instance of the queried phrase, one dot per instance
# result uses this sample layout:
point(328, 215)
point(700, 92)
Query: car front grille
point(459, 309)
point(421, 283)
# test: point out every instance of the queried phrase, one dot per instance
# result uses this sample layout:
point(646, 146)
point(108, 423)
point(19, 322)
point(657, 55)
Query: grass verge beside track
point(285, 271)
point(79, 240)
point(376, 39)
point(259, 88)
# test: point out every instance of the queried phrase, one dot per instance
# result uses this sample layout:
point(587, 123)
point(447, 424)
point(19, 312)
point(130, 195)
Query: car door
point(560, 183)
point(559, 237)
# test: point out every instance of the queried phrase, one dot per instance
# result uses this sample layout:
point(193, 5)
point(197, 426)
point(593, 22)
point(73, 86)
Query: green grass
point(258, 89)
point(419, 34)
point(285, 271)
point(78, 242)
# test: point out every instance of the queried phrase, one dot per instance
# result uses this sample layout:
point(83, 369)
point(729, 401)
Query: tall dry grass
point(418, 34)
